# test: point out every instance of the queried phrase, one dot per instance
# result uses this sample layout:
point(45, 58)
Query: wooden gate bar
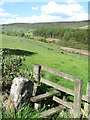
point(43, 96)
point(67, 104)
point(63, 89)
point(61, 74)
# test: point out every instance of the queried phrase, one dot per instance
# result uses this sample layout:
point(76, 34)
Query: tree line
point(70, 37)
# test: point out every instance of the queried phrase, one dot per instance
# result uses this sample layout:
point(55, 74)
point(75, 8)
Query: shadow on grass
point(8, 51)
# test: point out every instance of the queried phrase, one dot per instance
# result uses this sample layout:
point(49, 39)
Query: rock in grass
point(20, 92)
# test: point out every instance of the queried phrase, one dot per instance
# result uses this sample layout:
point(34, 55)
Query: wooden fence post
point(87, 105)
point(36, 81)
point(77, 98)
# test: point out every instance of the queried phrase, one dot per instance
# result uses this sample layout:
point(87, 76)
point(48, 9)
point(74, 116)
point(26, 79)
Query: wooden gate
point(77, 93)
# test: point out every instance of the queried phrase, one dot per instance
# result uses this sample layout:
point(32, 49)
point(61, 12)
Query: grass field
point(49, 55)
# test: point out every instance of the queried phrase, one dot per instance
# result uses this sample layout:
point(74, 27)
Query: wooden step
point(62, 102)
point(43, 96)
point(52, 111)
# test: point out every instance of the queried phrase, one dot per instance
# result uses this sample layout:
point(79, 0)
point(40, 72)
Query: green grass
point(50, 55)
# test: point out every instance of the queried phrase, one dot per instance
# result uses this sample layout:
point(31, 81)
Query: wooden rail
point(61, 74)
point(77, 93)
point(63, 89)
point(43, 96)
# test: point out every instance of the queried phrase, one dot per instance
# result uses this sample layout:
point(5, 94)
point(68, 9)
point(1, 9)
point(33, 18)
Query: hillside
point(58, 24)
point(68, 34)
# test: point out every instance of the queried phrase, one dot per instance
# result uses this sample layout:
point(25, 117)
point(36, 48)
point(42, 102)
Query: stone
point(21, 91)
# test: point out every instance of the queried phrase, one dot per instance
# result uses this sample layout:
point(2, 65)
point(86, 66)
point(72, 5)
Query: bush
point(42, 39)
point(12, 67)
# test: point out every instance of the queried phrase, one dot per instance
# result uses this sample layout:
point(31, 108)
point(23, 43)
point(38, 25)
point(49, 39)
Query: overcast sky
point(20, 11)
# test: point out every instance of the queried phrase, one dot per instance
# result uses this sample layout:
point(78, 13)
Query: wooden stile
point(77, 93)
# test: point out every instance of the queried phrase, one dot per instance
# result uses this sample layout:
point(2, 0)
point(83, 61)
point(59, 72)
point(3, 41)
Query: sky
point(27, 11)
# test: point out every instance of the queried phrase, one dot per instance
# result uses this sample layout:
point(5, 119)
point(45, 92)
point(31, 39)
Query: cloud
point(44, 18)
point(73, 10)
point(4, 14)
point(70, 9)
point(52, 12)
point(32, 19)
point(6, 17)
point(34, 8)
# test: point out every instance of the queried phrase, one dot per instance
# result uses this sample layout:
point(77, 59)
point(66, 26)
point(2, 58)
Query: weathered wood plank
point(37, 72)
point(77, 98)
point(61, 74)
point(66, 104)
point(52, 111)
point(36, 81)
point(58, 87)
point(43, 96)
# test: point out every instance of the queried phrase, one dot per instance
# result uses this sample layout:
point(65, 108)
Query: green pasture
point(51, 56)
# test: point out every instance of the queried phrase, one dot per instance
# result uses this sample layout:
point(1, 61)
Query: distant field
point(50, 55)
